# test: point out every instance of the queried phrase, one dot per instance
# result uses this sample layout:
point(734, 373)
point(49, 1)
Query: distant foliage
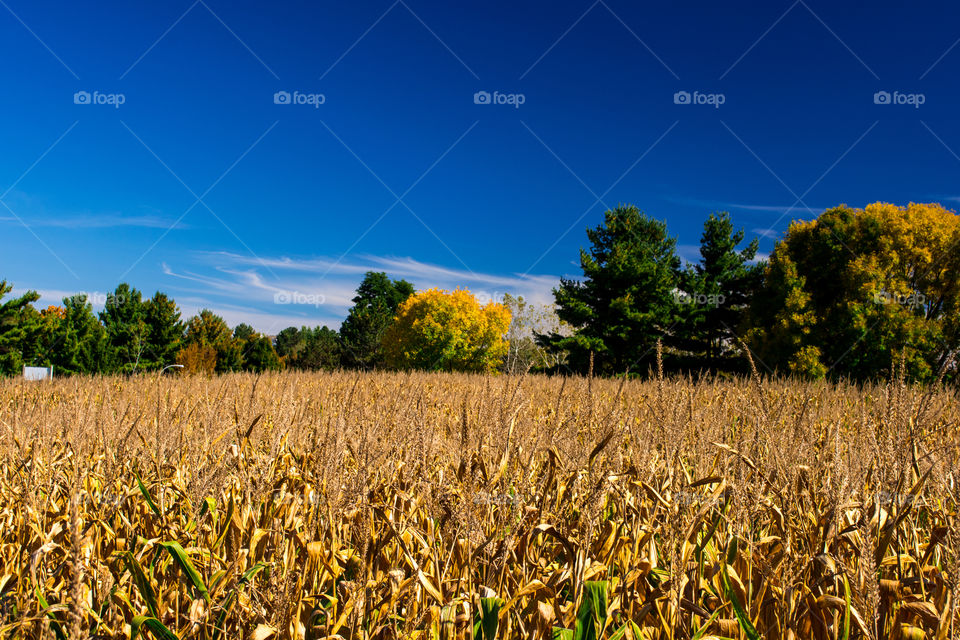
point(13, 328)
point(312, 349)
point(438, 330)
point(197, 358)
point(848, 295)
point(374, 306)
point(259, 354)
point(164, 329)
point(123, 320)
point(714, 294)
point(207, 329)
point(78, 343)
point(625, 301)
point(856, 290)
point(528, 319)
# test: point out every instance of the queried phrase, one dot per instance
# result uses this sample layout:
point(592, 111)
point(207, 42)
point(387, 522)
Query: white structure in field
point(38, 373)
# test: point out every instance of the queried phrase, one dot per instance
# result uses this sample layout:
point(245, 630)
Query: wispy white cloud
point(47, 296)
point(97, 221)
point(250, 286)
point(797, 210)
point(319, 290)
point(772, 234)
point(38, 212)
point(689, 253)
point(268, 322)
point(339, 279)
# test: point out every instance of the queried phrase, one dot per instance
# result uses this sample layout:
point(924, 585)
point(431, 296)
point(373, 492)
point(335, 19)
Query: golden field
point(382, 506)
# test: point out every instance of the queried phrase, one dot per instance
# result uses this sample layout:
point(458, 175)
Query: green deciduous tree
point(229, 355)
point(39, 342)
point(243, 332)
point(206, 329)
point(857, 289)
point(290, 341)
point(447, 331)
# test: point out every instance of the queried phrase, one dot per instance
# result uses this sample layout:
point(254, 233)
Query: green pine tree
point(374, 307)
point(123, 320)
point(625, 301)
point(14, 314)
point(715, 293)
point(164, 329)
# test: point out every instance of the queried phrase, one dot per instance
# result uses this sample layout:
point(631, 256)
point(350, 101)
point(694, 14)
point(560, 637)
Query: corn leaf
point(187, 566)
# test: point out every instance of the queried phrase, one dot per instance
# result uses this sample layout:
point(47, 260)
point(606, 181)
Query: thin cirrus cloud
point(22, 208)
point(797, 210)
point(423, 275)
point(690, 253)
point(96, 221)
point(275, 292)
point(771, 234)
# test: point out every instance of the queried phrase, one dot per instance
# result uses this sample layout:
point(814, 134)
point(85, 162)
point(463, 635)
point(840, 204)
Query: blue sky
point(387, 155)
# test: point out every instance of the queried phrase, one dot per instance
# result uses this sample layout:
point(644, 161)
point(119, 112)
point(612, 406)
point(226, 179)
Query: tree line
point(853, 293)
point(133, 334)
point(389, 326)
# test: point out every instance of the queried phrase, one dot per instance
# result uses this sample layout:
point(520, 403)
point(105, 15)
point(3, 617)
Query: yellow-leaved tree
point(856, 290)
point(439, 330)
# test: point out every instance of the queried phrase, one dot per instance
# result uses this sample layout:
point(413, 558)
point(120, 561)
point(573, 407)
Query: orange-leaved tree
point(440, 330)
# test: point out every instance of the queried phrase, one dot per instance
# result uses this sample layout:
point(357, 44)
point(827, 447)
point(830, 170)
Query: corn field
point(388, 505)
